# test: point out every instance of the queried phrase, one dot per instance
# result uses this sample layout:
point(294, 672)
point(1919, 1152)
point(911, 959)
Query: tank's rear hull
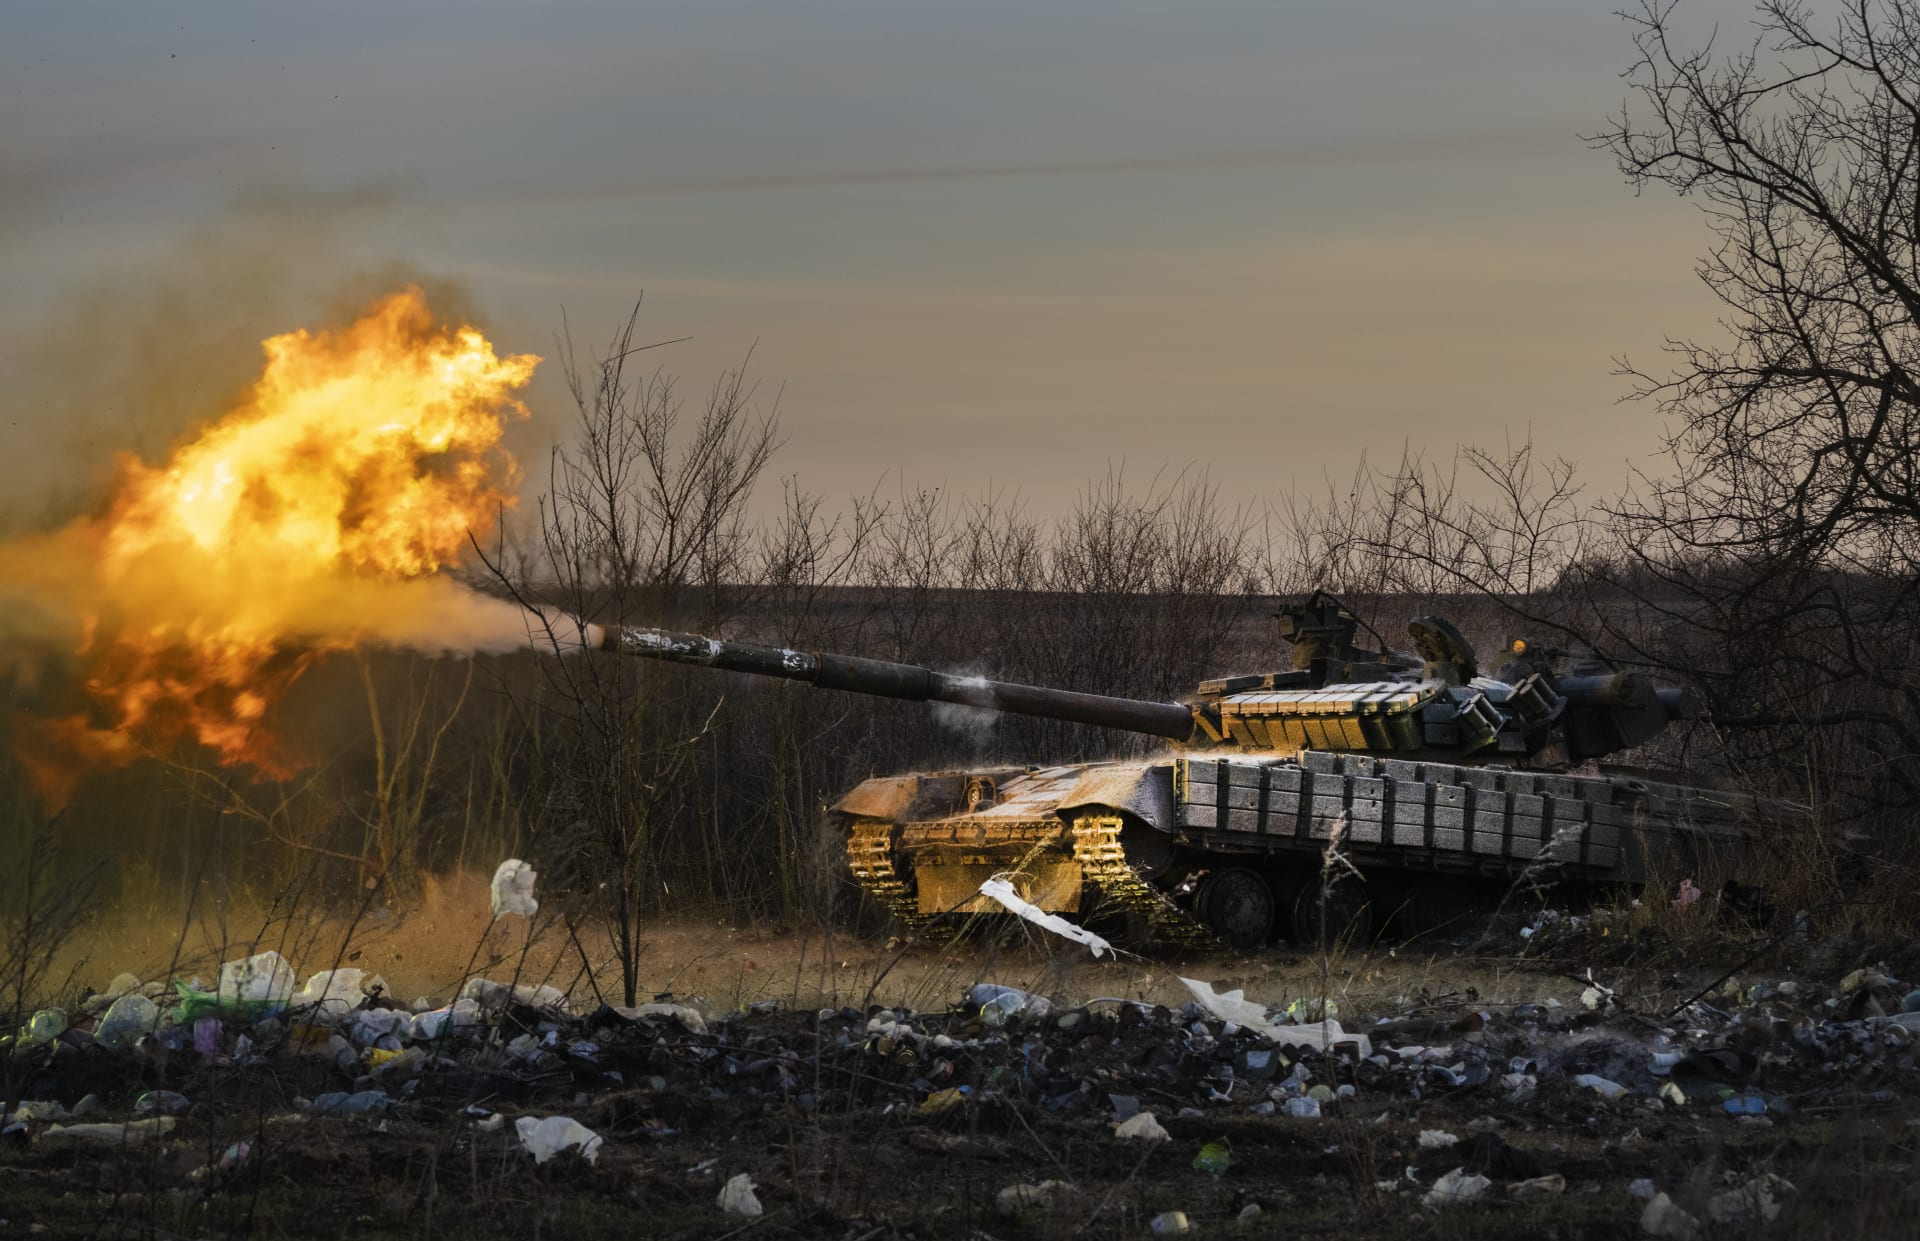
point(1195, 845)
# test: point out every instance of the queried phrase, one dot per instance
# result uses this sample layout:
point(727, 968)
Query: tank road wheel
point(1330, 913)
point(1238, 905)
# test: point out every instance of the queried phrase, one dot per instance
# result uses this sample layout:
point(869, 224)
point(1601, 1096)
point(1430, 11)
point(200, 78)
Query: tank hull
point(1243, 847)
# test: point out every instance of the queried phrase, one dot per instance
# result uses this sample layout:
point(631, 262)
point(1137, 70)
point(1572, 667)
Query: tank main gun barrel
point(907, 681)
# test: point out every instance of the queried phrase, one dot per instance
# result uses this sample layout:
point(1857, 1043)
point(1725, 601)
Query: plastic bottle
point(126, 1019)
point(999, 1004)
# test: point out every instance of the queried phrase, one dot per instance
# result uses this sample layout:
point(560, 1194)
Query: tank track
point(1103, 863)
point(870, 858)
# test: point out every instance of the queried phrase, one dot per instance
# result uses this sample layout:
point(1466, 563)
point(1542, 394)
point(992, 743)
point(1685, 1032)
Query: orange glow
point(357, 465)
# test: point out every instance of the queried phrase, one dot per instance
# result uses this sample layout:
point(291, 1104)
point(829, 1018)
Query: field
point(818, 1065)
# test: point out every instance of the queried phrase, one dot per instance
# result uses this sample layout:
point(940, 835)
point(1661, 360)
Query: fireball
point(315, 516)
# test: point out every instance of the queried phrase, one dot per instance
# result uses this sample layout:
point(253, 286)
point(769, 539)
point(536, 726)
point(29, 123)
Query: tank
point(1353, 791)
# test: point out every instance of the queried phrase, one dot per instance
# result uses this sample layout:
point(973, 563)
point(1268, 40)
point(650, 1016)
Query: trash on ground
point(1046, 1196)
point(129, 1133)
point(1233, 1006)
point(1215, 1157)
point(1455, 1188)
point(1143, 1125)
point(513, 889)
point(1662, 1218)
point(1001, 891)
point(737, 1196)
point(545, 1138)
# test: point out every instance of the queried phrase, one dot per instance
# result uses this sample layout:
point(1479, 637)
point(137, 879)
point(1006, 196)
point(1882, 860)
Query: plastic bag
point(543, 1139)
point(513, 889)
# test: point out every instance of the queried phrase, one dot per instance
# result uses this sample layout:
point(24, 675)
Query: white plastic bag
point(513, 889)
point(1000, 890)
point(1235, 1007)
point(543, 1139)
point(264, 978)
point(737, 1197)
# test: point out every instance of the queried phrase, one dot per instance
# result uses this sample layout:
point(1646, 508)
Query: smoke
point(975, 725)
point(134, 355)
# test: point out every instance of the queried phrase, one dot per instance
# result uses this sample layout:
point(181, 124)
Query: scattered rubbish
point(513, 889)
point(127, 1019)
point(1436, 1139)
point(998, 1004)
point(1046, 1196)
point(332, 994)
point(1233, 1006)
point(493, 997)
point(1215, 1157)
point(1538, 1187)
point(1758, 1201)
point(162, 1103)
point(1170, 1224)
point(1302, 1106)
point(1456, 1188)
point(358, 1103)
point(130, 1133)
point(944, 1100)
point(688, 1017)
point(1662, 1218)
point(1143, 1125)
point(1745, 1105)
point(231, 1162)
point(1001, 891)
point(43, 1027)
point(263, 982)
point(736, 1196)
point(1604, 1087)
point(545, 1138)
point(1642, 1188)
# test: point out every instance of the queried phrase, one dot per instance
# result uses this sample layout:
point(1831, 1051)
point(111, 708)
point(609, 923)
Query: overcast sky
point(974, 242)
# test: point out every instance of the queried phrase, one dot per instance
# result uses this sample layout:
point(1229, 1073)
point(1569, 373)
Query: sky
point(968, 245)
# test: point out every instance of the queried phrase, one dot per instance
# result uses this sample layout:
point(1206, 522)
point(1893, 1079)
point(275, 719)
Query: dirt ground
point(821, 1070)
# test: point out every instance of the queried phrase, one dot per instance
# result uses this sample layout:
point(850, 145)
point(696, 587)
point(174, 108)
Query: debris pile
point(1216, 1087)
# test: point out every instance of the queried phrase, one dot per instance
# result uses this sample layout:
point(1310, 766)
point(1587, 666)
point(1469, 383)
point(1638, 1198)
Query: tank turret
point(1335, 697)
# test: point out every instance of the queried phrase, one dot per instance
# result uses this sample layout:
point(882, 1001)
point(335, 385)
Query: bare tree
point(644, 519)
point(1778, 559)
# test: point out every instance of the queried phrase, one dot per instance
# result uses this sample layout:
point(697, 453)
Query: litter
point(545, 1138)
point(1046, 1196)
point(131, 1133)
point(513, 889)
point(999, 1004)
point(1215, 1157)
point(1143, 1125)
point(1456, 1188)
point(1233, 1006)
point(1662, 1218)
point(737, 1197)
point(1000, 890)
